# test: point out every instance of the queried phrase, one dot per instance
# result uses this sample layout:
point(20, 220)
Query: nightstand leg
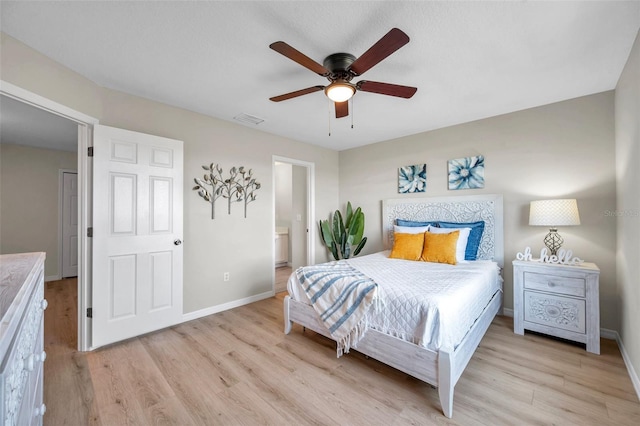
point(518, 328)
point(594, 349)
point(518, 302)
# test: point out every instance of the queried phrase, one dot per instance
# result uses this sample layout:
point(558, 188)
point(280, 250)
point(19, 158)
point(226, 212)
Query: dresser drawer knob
point(44, 304)
point(31, 362)
point(41, 357)
point(39, 411)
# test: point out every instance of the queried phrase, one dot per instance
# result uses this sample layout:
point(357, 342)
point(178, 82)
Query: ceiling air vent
point(248, 119)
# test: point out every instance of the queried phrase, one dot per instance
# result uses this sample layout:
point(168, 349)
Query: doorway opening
point(84, 124)
point(293, 218)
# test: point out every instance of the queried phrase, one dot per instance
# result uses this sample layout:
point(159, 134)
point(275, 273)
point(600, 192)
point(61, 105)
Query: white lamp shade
point(554, 213)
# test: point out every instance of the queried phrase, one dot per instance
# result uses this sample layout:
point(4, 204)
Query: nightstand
point(558, 300)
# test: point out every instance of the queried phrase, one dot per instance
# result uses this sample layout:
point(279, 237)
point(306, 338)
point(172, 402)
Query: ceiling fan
point(341, 68)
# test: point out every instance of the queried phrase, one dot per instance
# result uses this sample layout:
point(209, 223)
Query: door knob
point(177, 242)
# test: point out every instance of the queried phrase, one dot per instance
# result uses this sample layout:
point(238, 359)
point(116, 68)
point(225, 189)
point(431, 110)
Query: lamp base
point(553, 241)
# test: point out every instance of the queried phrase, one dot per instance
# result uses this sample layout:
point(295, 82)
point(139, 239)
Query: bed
point(435, 360)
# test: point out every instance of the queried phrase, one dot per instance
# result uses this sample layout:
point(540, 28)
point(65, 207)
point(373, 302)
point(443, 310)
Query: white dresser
point(558, 300)
point(22, 305)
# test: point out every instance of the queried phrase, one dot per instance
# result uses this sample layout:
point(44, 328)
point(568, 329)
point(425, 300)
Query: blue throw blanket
point(341, 295)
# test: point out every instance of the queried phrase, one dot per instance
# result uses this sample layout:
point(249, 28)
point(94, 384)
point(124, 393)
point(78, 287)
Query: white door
point(69, 224)
point(137, 233)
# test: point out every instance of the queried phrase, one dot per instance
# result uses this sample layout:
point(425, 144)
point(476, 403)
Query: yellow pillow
point(407, 246)
point(440, 248)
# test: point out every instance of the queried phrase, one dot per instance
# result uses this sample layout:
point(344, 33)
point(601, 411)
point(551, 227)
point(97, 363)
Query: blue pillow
point(411, 223)
point(477, 228)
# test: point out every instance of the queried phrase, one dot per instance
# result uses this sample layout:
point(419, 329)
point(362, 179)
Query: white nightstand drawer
point(555, 311)
point(571, 286)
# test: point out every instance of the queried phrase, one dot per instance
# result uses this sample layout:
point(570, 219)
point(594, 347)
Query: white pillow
point(461, 245)
point(411, 229)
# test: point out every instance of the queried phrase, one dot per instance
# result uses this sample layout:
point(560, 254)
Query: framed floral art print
point(412, 178)
point(466, 173)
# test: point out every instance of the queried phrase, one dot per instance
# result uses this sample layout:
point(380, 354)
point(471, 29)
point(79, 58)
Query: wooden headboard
point(466, 208)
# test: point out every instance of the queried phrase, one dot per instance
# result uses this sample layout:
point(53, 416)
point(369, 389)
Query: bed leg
point(445, 383)
point(287, 322)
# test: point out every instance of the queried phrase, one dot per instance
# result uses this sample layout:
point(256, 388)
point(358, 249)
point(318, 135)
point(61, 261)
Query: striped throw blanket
point(341, 295)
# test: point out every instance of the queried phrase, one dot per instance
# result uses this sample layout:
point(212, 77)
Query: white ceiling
point(22, 124)
point(469, 60)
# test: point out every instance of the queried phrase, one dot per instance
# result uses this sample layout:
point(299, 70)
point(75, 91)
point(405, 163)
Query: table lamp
point(554, 213)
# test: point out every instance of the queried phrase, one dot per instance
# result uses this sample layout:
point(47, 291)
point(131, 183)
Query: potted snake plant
point(340, 236)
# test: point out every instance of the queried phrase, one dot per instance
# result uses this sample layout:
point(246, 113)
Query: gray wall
point(283, 183)
point(562, 150)
point(627, 106)
point(29, 212)
point(298, 233)
point(230, 243)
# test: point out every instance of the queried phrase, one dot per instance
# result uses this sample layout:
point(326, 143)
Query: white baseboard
point(189, 316)
point(606, 333)
point(507, 312)
point(627, 361)
point(52, 278)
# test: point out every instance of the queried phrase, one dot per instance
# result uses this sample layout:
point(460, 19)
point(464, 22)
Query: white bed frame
point(443, 368)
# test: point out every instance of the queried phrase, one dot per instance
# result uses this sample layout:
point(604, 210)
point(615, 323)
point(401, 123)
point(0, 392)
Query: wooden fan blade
point(386, 89)
point(342, 109)
point(296, 56)
point(388, 44)
point(296, 93)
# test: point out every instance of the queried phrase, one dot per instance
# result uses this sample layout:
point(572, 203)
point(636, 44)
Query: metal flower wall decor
point(239, 187)
point(466, 173)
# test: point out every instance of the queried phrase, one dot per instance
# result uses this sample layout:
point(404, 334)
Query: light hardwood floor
point(282, 276)
point(237, 367)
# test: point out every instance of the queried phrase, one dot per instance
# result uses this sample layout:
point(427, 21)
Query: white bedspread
point(430, 304)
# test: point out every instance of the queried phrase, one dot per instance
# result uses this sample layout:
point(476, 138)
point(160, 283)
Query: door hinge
point(90, 232)
point(89, 312)
point(90, 151)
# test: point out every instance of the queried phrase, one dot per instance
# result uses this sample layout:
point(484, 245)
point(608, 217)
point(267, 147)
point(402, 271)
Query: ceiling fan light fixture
point(340, 91)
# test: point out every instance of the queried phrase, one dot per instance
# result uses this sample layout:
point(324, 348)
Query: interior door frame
point(85, 173)
point(311, 209)
point(61, 218)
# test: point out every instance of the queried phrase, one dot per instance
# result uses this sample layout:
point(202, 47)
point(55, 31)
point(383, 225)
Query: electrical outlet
point(225, 276)
point(299, 217)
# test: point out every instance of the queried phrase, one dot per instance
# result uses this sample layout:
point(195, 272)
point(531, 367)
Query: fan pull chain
point(330, 103)
point(352, 110)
